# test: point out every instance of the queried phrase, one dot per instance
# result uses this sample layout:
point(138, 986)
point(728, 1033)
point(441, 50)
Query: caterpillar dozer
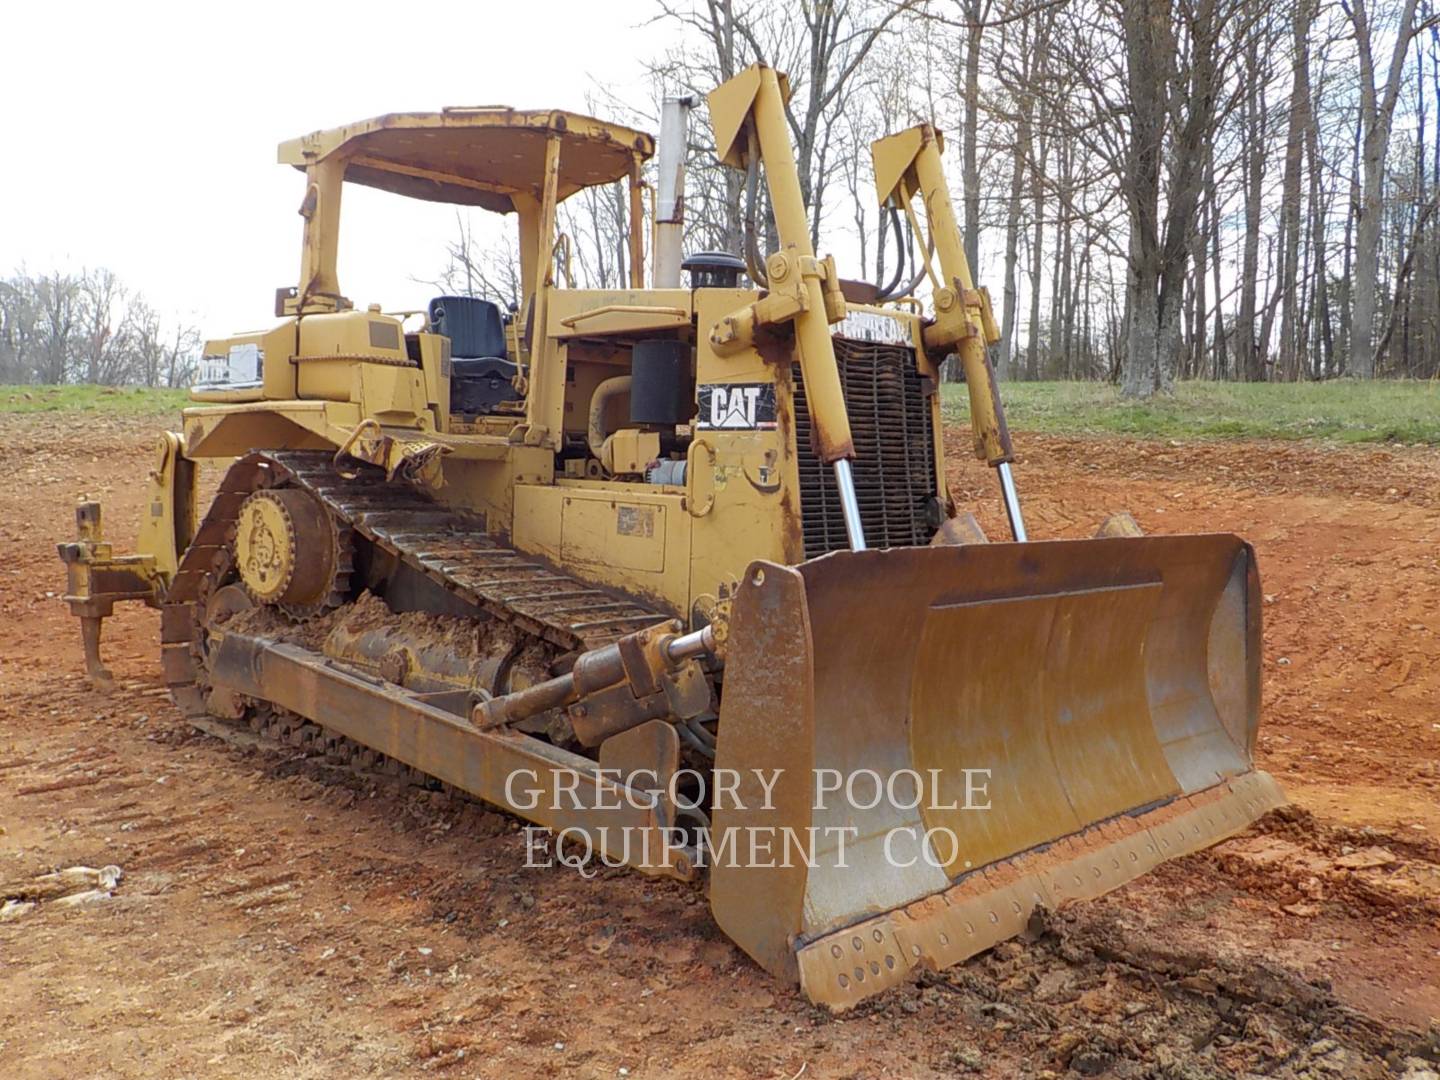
point(675, 573)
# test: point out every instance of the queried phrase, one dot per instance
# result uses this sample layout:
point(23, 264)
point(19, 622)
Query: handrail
point(623, 309)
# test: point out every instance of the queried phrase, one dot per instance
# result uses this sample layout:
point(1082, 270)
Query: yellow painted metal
point(333, 347)
point(484, 156)
point(623, 319)
point(226, 431)
point(740, 514)
point(1099, 679)
point(730, 105)
point(636, 537)
point(265, 547)
point(473, 156)
point(273, 349)
point(893, 160)
point(908, 163)
point(319, 288)
point(757, 96)
point(435, 364)
point(629, 451)
point(169, 520)
point(285, 548)
point(545, 403)
point(1109, 687)
point(96, 579)
point(740, 331)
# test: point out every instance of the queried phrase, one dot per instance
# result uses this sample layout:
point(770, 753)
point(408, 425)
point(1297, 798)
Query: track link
point(450, 547)
point(267, 727)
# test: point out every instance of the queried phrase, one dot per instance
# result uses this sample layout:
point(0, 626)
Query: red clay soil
point(275, 923)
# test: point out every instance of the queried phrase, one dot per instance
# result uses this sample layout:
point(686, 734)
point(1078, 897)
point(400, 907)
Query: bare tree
point(1170, 188)
point(88, 326)
point(823, 46)
point(1377, 112)
point(1300, 117)
point(471, 269)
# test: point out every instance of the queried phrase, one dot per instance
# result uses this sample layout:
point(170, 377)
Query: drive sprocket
point(291, 553)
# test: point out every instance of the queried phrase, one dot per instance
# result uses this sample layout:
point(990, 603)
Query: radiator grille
point(894, 465)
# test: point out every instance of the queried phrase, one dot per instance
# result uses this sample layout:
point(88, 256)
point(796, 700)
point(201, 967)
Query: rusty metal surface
point(767, 721)
point(624, 821)
point(449, 546)
point(416, 658)
point(851, 964)
point(473, 156)
point(1093, 681)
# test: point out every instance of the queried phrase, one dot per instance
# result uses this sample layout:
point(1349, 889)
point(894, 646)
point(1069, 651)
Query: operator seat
point(481, 378)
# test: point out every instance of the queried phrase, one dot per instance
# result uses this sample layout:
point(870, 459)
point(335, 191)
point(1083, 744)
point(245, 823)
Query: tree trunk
point(1249, 349)
point(1011, 288)
point(975, 11)
point(1145, 22)
point(1142, 377)
point(1377, 111)
point(1299, 123)
point(1037, 204)
point(1012, 252)
point(1037, 251)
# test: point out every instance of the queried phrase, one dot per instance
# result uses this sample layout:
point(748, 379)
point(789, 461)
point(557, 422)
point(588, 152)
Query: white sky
point(142, 137)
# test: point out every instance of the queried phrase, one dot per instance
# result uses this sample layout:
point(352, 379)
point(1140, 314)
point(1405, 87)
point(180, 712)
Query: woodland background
point(1153, 190)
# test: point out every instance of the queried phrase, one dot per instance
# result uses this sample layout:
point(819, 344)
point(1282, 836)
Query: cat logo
point(736, 406)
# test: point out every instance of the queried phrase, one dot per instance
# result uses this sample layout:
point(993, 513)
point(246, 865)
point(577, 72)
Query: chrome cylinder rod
point(695, 643)
point(849, 505)
point(1012, 502)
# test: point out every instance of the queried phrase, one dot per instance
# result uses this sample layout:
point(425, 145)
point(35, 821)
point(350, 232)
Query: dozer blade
point(925, 744)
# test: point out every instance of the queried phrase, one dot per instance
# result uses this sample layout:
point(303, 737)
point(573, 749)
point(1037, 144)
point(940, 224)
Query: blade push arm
point(908, 163)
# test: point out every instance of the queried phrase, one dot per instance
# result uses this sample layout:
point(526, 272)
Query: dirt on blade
point(275, 919)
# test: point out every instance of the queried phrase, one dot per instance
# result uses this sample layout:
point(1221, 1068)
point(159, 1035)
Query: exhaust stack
point(670, 191)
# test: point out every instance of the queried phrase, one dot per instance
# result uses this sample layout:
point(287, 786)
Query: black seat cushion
point(479, 384)
point(474, 326)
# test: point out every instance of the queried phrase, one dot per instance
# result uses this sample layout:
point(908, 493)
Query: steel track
point(450, 547)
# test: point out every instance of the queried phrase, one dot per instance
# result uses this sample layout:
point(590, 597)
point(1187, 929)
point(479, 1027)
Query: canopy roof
point(478, 156)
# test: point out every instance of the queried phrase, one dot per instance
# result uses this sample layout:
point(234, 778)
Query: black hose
point(695, 814)
point(889, 290)
point(920, 273)
point(697, 725)
point(694, 742)
point(753, 263)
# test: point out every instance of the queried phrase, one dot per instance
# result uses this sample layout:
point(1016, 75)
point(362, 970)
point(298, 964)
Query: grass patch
point(1382, 411)
point(126, 400)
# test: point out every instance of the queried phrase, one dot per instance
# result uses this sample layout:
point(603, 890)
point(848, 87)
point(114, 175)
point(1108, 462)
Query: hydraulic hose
point(754, 264)
point(888, 291)
point(914, 282)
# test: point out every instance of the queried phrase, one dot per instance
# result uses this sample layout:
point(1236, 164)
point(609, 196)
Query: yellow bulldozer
point(675, 573)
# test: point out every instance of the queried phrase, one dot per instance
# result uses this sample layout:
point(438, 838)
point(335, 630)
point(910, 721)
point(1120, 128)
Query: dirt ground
point(270, 924)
